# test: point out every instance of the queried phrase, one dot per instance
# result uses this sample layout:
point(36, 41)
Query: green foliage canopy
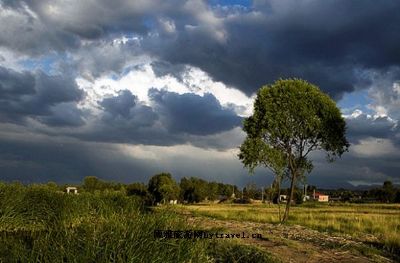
point(255, 152)
point(163, 187)
point(138, 189)
point(291, 118)
point(194, 189)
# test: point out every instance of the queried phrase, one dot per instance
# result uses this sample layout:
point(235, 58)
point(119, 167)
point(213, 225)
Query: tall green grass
point(227, 252)
point(41, 225)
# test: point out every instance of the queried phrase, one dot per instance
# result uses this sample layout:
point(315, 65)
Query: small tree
point(92, 183)
point(291, 118)
point(252, 191)
point(254, 152)
point(52, 186)
point(212, 191)
point(389, 192)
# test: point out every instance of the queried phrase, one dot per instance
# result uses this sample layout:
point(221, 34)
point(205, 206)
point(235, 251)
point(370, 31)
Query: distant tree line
point(161, 188)
point(387, 193)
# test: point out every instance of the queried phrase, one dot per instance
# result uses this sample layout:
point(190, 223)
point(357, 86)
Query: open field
point(40, 224)
point(372, 229)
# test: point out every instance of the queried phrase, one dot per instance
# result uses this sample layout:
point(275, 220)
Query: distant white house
point(283, 198)
point(320, 197)
point(72, 190)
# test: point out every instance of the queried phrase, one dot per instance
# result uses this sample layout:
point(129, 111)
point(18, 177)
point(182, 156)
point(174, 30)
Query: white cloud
point(356, 113)
point(206, 21)
point(11, 59)
point(167, 25)
point(142, 78)
point(385, 92)
point(396, 87)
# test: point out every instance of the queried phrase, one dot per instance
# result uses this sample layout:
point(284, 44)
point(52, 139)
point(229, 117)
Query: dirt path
point(296, 243)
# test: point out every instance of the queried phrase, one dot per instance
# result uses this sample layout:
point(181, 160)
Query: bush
point(242, 201)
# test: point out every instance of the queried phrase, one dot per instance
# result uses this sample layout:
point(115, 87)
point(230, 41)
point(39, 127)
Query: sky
point(123, 89)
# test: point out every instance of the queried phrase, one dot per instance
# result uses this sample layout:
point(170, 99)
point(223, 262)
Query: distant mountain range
point(361, 187)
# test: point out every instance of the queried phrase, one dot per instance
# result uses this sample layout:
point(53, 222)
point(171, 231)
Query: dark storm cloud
point(336, 30)
point(325, 42)
point(94, 19)
point(193, 114)
point(171, 119)
point(373, 169)
point(339, 45)
point(40, 96)
point(119, 105)
point(328, 43)
point(363, 126)
point(100, 57)
point(34, 159)
point(124, 110)
point(26, 33)
point(15, 83)
point(124, 119)
point(64, 115)
point(162, 68)
point(36, 27)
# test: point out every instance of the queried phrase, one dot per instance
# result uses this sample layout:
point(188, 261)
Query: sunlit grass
point(380, 220)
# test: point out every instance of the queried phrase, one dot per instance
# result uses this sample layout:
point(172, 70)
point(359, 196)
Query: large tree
point(194, 190)
point(163, 187)
point(292, 118)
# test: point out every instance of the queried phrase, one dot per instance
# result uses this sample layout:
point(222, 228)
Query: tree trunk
point(288, 202)
point(279, 197)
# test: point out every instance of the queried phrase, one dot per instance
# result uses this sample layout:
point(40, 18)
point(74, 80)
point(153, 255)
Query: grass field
point(358, 220)
point(38, 224)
